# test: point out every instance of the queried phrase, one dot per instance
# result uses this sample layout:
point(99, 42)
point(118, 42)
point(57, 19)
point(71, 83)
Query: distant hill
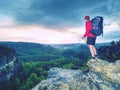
point(75, 45)
point(32, 51)
point(42, 52)
point(66, 46)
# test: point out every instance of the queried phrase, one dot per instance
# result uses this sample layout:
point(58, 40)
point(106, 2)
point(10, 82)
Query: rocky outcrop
point(7, 58)
point(102, 75)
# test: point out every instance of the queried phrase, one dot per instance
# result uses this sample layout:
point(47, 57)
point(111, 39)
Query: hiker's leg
point(94, 50)
point(91, 50)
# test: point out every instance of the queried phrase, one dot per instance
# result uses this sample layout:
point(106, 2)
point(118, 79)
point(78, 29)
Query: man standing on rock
point(91, 38)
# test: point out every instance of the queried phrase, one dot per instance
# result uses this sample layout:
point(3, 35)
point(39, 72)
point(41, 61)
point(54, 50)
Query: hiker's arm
point(88, 28)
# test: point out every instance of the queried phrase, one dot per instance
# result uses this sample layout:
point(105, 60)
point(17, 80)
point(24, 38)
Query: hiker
point(91, 38)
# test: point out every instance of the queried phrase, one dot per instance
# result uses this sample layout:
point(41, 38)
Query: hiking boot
point(96, 57)
point(93, 59)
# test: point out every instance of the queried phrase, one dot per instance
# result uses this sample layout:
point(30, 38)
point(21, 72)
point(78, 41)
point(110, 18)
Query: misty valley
point(23, 65)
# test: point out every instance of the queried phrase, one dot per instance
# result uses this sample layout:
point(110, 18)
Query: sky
point(56, 21)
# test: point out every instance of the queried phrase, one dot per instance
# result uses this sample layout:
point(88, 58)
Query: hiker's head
point(87, 18)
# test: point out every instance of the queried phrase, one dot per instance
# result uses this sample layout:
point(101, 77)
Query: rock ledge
point(102, 76)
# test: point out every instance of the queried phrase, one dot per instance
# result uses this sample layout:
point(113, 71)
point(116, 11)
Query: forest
point(37, 59)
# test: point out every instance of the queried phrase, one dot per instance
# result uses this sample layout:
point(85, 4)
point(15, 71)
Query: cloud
point(108, 8)
point(63, 17)
point(52, 13)
point(113, 34)
point(36, 34)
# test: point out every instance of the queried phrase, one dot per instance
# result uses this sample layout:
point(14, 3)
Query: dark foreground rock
point(102, 76)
